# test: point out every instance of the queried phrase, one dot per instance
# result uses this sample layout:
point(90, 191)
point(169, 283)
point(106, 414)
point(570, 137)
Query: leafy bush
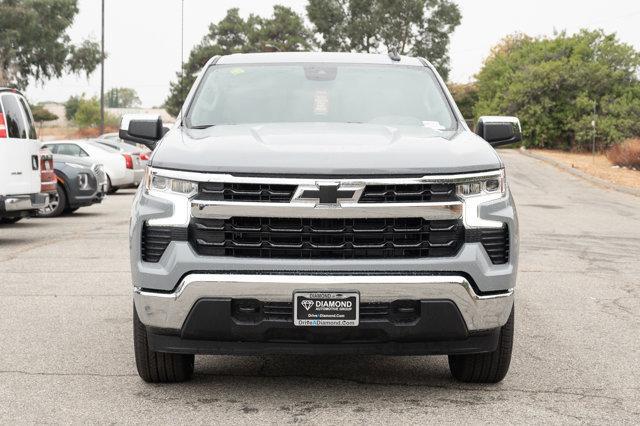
point(41, 114)
point(88, 114)
point(466, 96)
point(553, 84)
point(626, 154)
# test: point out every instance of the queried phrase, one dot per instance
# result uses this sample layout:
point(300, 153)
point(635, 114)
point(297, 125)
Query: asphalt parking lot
point(66, 352)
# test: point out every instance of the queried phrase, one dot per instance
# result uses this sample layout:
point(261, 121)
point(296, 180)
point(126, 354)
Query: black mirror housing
point(144, 129)
point(499, 131)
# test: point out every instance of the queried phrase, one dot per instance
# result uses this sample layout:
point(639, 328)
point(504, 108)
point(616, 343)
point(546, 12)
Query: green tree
point(41, 114)
point(71, 106)
point(553, 85)
point(88, 113)
point(122, 97)
point(34, 42)
point(414, 27)
point(466, 97)
point(284, 31)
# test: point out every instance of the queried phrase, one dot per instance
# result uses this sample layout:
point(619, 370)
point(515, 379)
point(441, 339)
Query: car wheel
point(489, 367)
point(158, 367)
point(57, 203)
point(9, 220)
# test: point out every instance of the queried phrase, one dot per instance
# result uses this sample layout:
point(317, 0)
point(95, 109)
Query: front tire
point(57, 203)
point(488, 367)
point(158, 367)
point(110, 189)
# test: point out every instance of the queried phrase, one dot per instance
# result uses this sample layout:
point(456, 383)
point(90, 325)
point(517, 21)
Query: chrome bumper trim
point(169, 310)
point(222, 177)
point(225, 209)
point(14, 203)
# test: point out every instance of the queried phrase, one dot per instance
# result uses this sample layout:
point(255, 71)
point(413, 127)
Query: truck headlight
point(155, 182)
point(485, 185)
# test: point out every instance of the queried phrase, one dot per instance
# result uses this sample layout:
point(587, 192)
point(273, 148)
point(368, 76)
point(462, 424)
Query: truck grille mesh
point(408, 193)
point(326, 238)
point(156, 239)
point(496, 243)
point(219, 191)
point(268, 193)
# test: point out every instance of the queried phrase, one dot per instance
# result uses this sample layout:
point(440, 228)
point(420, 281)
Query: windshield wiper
point(202, 126)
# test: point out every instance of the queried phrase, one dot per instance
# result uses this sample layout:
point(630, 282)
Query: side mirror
point(145, 129)
point(499, 130)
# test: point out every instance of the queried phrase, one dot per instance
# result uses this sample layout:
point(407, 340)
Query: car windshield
point(338, 93)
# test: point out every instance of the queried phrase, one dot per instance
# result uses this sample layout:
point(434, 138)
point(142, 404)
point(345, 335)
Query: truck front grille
point(250, 192)
point(272, 193)
point(408, 193)
point(291, 238)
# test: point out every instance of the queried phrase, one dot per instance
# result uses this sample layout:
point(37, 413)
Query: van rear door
point(19, 163)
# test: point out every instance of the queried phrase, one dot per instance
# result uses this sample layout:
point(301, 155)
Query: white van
point(19, 162)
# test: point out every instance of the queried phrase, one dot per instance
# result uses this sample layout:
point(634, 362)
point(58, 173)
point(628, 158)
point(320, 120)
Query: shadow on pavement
point(358, 369)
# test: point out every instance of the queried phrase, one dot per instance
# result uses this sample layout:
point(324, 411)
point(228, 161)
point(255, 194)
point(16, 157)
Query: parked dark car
point(80, 183)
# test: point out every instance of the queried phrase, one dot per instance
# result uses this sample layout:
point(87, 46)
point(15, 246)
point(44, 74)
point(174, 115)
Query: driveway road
point(66, 352)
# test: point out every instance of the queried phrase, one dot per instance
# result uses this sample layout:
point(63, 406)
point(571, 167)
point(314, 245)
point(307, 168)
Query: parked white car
point(19, 159)
point(123, 170)
point(142, 155)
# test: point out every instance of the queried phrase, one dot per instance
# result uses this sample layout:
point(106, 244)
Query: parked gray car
point(80, 183)
point(323, 203)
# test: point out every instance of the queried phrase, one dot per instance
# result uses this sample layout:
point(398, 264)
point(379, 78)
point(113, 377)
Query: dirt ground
point(60, 133)
point(598, 166)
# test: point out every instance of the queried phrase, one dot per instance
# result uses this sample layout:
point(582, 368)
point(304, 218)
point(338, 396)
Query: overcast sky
point(143, 36)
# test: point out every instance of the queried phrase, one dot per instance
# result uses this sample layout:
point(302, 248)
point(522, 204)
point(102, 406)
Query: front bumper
point(170, 310)
point(13, 204)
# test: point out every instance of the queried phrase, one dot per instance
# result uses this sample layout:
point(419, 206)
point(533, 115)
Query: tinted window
point(71, 149)
point(13, 117)
point(29, 117)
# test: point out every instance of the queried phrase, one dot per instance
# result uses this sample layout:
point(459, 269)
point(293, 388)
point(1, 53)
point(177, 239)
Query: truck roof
point(320, 57)
point(10, 89)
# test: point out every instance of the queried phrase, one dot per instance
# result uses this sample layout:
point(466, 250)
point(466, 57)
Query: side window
point(52, 148)
point(29, 117)
point(13, 117)
point(71, 149)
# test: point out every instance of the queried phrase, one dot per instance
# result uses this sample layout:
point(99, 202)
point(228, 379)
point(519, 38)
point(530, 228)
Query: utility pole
point(182, 41)
point(593, 137)
point(102, 77)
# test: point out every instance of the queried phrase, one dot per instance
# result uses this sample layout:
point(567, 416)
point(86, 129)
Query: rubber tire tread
point(489, 367)
point(158, 367)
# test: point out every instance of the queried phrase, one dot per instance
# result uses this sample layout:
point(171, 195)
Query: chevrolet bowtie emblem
point(327, 194)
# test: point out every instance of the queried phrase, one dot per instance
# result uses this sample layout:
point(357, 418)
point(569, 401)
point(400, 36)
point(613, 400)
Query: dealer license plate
point(326, 309)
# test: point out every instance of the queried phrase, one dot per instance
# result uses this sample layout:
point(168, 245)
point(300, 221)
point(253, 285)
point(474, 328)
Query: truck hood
point(324, 149)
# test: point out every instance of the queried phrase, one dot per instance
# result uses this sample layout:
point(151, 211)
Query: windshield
point(345, 93)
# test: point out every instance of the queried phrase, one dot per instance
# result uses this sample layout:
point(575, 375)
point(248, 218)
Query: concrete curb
point(581, 174)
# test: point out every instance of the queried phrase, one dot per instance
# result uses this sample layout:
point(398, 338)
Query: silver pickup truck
point(323, 203)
